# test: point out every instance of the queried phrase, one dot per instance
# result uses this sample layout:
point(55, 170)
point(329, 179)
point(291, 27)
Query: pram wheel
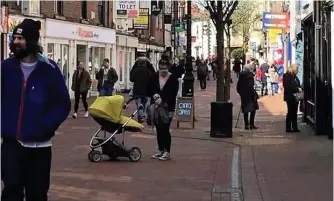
point(135, 154)
point(95, 156)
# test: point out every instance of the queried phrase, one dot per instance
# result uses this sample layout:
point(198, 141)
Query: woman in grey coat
point(248, 95)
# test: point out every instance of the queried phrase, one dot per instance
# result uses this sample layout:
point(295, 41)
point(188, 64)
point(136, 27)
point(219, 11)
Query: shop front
point(154, 52)
point(69, 43)
point(13, 21)
point(317, 73)
point(126, 51)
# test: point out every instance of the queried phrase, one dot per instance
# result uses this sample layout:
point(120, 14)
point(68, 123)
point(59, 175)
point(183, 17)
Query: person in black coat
point(140, 75)
point(248, 95)
point(106, 79)
point(178, 70)
point(237, 66)
point(165, 88)
point(292, 87)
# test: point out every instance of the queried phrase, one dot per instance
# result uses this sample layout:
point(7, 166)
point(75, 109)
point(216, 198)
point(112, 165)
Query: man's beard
point(18, 51)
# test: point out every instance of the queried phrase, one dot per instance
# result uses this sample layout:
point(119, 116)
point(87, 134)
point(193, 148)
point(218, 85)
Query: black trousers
point(83, 95)
point(25, 170)
point(291, 116)
point(202, 83)
point(163, 136)
point(249, 119)
point(264, 88)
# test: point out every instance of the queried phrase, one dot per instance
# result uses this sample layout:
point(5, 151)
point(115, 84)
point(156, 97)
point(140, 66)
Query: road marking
point(235, 175)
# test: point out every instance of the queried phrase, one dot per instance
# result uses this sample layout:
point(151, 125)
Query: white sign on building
point(127, 9)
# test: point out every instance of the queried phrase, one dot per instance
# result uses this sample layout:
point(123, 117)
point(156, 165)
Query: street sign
point(127, 9)
point(185, 110)
point(275, 20)
point(142, 21)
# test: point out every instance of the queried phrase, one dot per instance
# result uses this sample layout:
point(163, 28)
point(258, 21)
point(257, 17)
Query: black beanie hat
point(29, 29)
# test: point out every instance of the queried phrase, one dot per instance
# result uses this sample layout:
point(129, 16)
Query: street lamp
point(188, 86)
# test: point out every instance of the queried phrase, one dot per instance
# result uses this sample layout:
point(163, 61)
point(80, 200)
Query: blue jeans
point(141, 101)
point(106, 89)
point(274, 88)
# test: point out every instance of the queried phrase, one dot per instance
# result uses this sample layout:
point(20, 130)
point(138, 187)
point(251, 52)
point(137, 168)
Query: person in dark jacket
point(292, 87)
point(106, 79)
point(81, 83)
point(264, 69)
point(202, 72)
point(178, 70)
point(237, 66)
point(165, 87)
point(34, 102)
point(214, 65)
point(248, 95)
point(140, 75)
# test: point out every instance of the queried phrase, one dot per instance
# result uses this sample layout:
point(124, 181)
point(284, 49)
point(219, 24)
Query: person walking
point(273, 78)
point(202, 72)
point(107, 77)
point(164, 87)
point(34, 103)
point(292, 95)
point(264, 69)
point(81, 83)
point(237, 66)
point(140, 75)
point(248, 95)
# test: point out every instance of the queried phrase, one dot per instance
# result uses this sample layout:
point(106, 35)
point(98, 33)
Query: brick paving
point(197, 166)
point(274, 166)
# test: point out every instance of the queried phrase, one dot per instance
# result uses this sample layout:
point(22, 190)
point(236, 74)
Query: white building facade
point(204, 39)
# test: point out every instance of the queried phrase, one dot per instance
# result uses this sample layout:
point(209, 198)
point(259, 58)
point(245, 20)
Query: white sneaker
point(75, 115)
point(86, 115)
point(157, 155)
point(165, 156)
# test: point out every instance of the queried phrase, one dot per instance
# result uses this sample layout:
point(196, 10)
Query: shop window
point(64, 63)
point(50, 51)
point(59, 6)
point(121, 66)
point(96, 56)
point(84, 9)
point(101, 10)
point(34, 7)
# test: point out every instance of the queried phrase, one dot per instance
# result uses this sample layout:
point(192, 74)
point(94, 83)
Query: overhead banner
point(142, 21)
point(127, 9)
point(275, 20)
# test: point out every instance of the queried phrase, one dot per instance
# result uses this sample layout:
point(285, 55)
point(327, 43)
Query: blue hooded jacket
point(32, 109)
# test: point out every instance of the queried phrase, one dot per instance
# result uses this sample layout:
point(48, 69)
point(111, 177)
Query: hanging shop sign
point(275, 20)
point(156, 7)
point(142, 21)
point(127, 9)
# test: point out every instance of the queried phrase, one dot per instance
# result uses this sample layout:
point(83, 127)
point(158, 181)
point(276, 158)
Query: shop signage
point(84, 32)
point(156, 7)
point(4, 19)
point(127, 9)
point(13, 21)
point(300, 59)
point(275, 20)
point(142, 21)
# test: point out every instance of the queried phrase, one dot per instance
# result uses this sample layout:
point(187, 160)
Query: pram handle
point(127, 102)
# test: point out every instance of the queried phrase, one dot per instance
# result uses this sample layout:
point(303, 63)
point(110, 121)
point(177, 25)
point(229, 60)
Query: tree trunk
point(228, 68)
point(220, 90)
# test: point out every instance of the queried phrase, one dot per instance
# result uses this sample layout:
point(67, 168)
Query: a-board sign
point(184, 109)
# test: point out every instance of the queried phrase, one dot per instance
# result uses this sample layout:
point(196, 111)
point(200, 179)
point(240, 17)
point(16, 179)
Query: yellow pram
point(107, 112)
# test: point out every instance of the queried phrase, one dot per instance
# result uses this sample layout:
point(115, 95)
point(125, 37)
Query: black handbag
point(299, 96)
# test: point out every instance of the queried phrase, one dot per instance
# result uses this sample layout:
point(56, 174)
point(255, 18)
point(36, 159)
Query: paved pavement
point(264, 165)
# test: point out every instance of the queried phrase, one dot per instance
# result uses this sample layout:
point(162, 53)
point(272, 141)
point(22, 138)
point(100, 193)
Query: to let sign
point(127, 9)
point(184, 109)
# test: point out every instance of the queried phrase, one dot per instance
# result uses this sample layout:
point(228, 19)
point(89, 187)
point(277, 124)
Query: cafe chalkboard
point(185, 110)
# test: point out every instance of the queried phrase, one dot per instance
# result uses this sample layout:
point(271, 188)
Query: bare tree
point(220, 14)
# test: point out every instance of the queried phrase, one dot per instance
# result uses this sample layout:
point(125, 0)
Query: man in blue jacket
point(34, 102)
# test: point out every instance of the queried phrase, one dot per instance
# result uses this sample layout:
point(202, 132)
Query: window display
point(50, 51)
point(96, 56)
